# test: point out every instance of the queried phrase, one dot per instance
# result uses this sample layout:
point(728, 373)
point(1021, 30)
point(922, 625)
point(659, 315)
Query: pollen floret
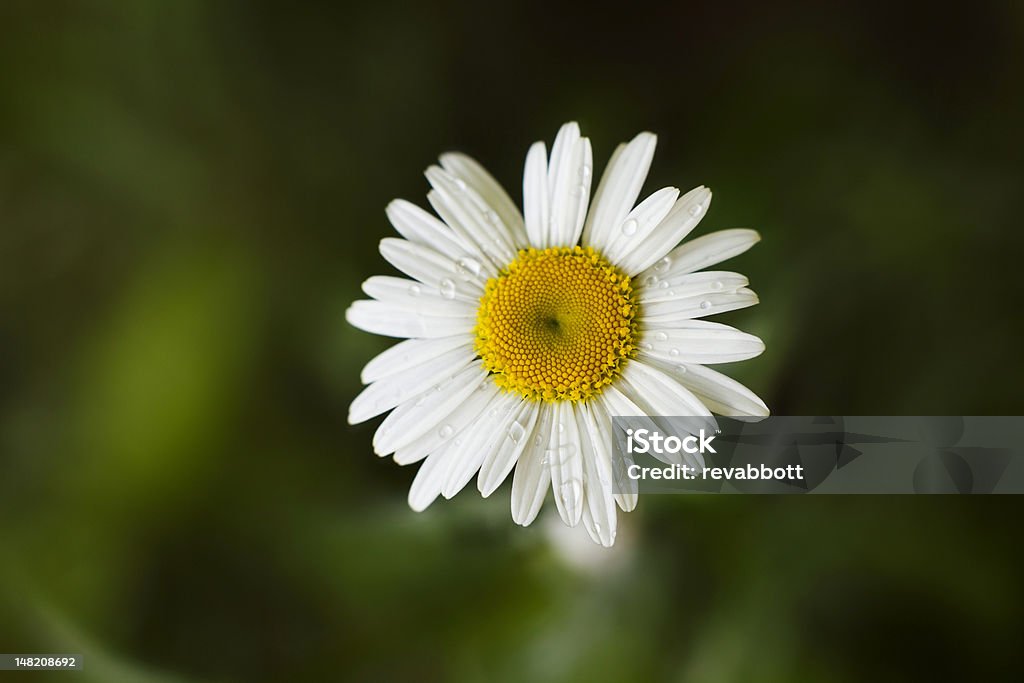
point(557, 324)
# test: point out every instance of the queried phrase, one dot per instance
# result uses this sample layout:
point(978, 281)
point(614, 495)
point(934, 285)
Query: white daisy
point(524, 336)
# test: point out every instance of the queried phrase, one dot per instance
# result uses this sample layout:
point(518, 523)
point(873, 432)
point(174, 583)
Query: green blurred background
point(191, 193)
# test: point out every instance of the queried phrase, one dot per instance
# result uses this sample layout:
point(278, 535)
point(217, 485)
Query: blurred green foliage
point(191, 193)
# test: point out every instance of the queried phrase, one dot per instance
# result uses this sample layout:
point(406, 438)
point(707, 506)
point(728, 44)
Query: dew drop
point(468, 266)
point(570, 493)
point(629, 228)
point(461, 184)
point(705, 304)
point(681, 369)
point(661, 336)
point(695, 210)
point(492, 217)
point(645, 346)
point(447, 288)
point(650, 281)
point(516, 432)
point(663, 264)
point(446, 431)
point(673, 352)
point(585, 171)
point(561, 427)
point(717, 284)
point(414, 290)
point(664, 284)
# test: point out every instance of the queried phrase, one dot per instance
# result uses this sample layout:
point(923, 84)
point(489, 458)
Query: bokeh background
point(191, 193)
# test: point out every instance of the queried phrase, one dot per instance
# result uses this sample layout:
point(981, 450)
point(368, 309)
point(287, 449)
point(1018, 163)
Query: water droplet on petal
point(492, 217)
point(673, 352)
point(516, 432)
point(468, 266)
point(561, 427)
point(414, 290)
point(645, 346)
point(570, 493)
point(446, 431)
point(629, 227)
point(661, 336)
point(584, 171)
point(447, 288)
point(695, 210)
point(705, 304)
point(663, 284)
point(717, 284)
point(681, 369)
point(662, 265)
point(461, 184)
point(650, 281)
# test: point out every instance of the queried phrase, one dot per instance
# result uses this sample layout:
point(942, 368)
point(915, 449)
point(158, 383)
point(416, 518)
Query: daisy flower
point(526, 332)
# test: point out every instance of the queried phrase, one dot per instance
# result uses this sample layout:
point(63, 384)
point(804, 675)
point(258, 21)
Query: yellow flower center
point(557, 324)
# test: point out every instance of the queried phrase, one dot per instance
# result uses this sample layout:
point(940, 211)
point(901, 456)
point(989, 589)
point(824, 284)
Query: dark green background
point(191, 193)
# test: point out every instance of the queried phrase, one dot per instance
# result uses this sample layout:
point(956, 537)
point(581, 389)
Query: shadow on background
point(191, 193)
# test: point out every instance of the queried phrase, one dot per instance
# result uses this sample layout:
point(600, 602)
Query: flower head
point(525, 333)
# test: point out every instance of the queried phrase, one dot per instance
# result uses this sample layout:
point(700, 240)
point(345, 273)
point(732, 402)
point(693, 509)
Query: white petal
point(385, 394)
point(477, 442)
point(689, 286)
point(707, 250)
point(448, 427)
point(417, 416)
point(619, 187)
point(408, 354)
point(467, 214)
point(535, 194)
point(416, 296)
point(613, 403)
point(477, 177)
point(416, 225)
point(633, 232)
point(599, 503)
point(658, 394)
point(661, 396)
point(721, 394)
point(391, 321)
point(532, 477)
point(682, 219)
point(568, 186)
point(516, 433)
point(698, 341)
point(676, 310)
point(565, 460)
point(460, 279)
point(426, 486)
